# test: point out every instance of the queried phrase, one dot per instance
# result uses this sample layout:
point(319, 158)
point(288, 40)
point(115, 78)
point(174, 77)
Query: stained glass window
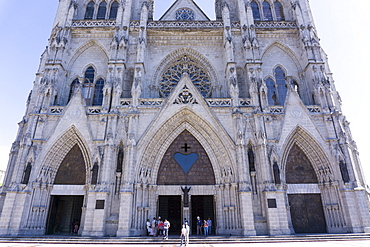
point(185, 14)
point(281, 85)
point(255, 11)
point(89, 10)
point(267, 14)
point(113, 10)
point(88, 85)
point(271, 92)
point(98, 92)
point(279, 11)
point(102, 10)
point(173, 74)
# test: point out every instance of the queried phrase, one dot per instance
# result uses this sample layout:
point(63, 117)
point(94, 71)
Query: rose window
point(173, 74)
point(185, 14)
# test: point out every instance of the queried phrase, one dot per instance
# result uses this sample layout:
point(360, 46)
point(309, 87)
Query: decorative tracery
point(197, 75)
point(185, 14)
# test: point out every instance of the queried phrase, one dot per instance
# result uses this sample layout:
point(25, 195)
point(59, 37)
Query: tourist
point(199, 226)
point(160, 228)
point(187, 227)
point(154, 227)
point(166, 227)
point(148, 227)
point(183, 236)
point(205, 228)
point(209, 221)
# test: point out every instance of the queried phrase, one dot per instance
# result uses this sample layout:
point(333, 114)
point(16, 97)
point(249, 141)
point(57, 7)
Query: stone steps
point(193, 240)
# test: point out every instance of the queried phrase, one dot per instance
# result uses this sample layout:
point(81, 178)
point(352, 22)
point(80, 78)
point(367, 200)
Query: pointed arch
point(285, 49)
point(314, 152)
point(55, 156)
point(217, 144)
point(85, 47)
point(198, 57)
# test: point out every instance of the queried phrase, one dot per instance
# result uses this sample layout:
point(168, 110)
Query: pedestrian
point(160, 228)
point(166, 227)
point(205, 228)
point(148, 227)
point(209, 221)
point(183, 236)
point(187, 227)
point(199, 226)
point(154, 227)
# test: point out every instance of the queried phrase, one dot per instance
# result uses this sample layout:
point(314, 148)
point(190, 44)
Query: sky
point(343, 27)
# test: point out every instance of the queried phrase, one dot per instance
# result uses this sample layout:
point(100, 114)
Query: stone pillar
point(11, 220)
point(276, 213)
point(246, 212)
point(125, 214)
point(358, 210)
point(96, 214)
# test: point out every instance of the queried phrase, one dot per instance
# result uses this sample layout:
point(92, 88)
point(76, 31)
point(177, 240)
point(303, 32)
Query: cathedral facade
point(236, 119)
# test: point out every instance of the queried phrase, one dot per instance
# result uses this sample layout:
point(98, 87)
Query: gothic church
point(236, 119)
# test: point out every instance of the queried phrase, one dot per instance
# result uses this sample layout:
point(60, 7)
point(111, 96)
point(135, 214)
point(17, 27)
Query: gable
point(184, 10)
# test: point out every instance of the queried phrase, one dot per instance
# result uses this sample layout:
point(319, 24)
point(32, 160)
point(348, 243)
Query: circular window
point(173, 74)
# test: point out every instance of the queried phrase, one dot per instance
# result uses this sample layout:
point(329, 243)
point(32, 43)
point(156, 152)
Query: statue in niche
point(136, 88)
point(234, 89)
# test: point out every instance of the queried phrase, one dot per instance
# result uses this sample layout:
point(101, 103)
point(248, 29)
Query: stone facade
point(126, 111)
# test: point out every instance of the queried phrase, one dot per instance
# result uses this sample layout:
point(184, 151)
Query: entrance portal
point(64, 212)
point(203, 207)
point(307, 213)
point(170, 209)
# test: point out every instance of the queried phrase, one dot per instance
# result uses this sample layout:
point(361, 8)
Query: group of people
point(206, 225)
point(158, 228)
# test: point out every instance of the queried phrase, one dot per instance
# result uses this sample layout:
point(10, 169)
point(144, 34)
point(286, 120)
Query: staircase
point(175, 240)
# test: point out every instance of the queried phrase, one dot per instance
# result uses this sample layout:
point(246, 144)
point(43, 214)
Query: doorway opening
point(64, 213)
point(169, 207)
point(202, 206)
point(307, 213)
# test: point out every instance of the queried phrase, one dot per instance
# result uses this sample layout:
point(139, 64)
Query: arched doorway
point(65, 210)
point(305, 203)
point(186, 163)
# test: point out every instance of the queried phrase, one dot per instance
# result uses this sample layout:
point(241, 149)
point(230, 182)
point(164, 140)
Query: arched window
point(281, 85)
point(88, 84)
point(89, 10)
point(267, 14)
point(113, 10)
point(98, 92)
point(279, 11)
point(255, 11)
point(251, 160)
point(276, 171)
point(73, 89)
point(271, 92)
point(102, 10)
point(26, 174)
point(94, 175)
